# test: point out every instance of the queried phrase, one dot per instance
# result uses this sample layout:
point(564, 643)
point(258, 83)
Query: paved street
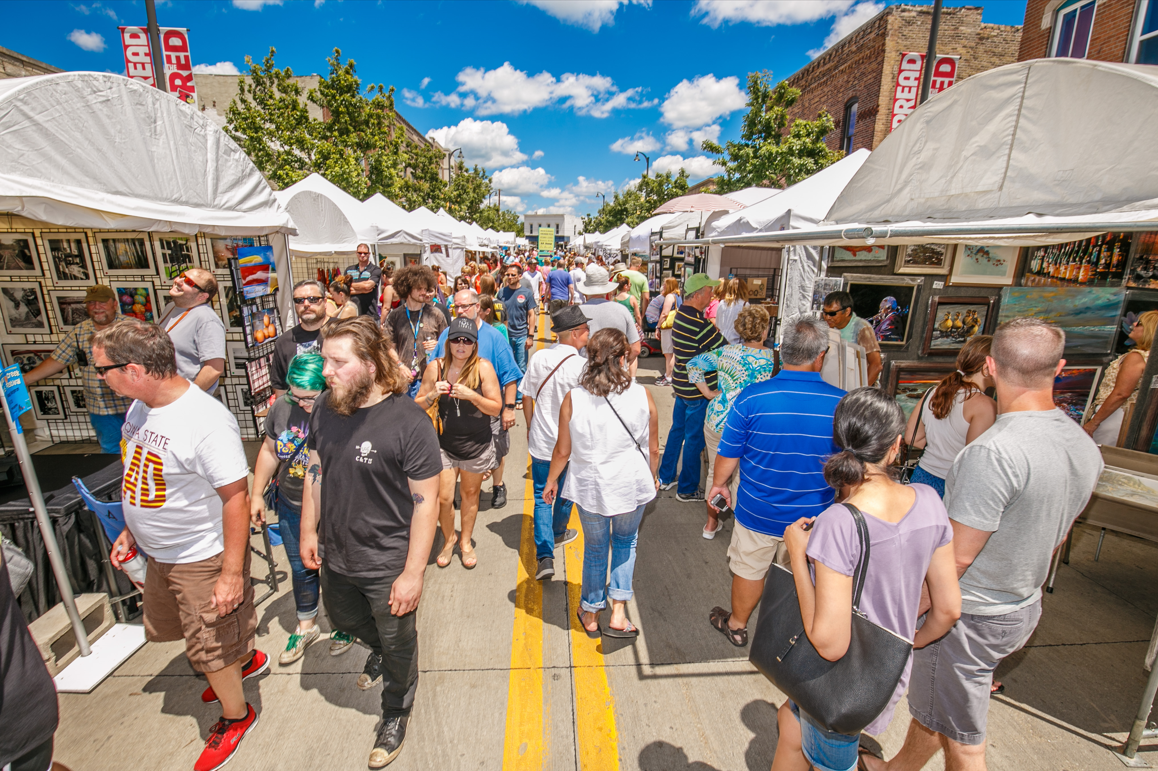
point(509, 681)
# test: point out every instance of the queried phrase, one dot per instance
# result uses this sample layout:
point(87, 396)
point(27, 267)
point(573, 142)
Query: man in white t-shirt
point(185, 494)
point(197, 332)
point(551, 374)
point(534, 278)
point(578, 274)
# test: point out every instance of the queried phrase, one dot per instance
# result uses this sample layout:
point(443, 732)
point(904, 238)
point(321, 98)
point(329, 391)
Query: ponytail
point(970, 360)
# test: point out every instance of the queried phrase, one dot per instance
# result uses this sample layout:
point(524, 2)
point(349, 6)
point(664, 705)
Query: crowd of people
point(397, 391)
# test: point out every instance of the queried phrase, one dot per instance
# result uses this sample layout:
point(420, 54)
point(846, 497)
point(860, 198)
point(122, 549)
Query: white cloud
point(701, 101)
point(629, 184)
point(589, 187)
point(846, 23)
point(678, 139)
point(508, 91)
point(767, 14)
point(521, 179)
point(255, 5)
point(514, 203)
point(487, 143)
point(221, 68)
point(589, 14)
point(536, 155)
point(319, 3)
point(698, 166)
point(413, 98)
point(89, 41)
point(425, 82)
point(96, 8)
point(642, 142)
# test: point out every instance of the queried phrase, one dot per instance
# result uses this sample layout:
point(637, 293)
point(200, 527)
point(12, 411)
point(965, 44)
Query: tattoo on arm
point(315, 473)
point(418, 499)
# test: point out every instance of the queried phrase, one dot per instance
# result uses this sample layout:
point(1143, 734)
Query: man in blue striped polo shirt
point(779, 433)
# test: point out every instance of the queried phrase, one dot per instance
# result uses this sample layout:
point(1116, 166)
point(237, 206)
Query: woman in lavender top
point(911, 543)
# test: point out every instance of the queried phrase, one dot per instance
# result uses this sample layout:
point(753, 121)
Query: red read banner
point(178, 65)
point(908, 88)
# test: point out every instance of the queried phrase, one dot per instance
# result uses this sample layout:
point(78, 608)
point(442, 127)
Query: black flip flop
point(632, 631)
point(593, 635)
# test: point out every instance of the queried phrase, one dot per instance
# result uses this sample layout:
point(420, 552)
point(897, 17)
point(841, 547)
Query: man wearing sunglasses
point(366, 276)
point(197, 332)
point(310, 306)
point(839, 315)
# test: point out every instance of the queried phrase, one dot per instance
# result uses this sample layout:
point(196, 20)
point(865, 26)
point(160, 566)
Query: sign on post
point(16, 395)
point(178, 64)
point(908, 86)
point(546, 241)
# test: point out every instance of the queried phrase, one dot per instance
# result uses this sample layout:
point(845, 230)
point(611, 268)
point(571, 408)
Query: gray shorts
point(478, 465)
point(949, 687)
point(502, 441)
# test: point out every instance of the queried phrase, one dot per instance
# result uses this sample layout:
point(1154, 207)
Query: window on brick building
point(1072, 27)
point(1145, 44)
point(848, 126)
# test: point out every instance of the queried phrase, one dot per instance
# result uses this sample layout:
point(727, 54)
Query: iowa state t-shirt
point(175, 458)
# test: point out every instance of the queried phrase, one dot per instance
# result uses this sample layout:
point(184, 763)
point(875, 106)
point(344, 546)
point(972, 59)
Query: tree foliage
point(771, 151)
point(635, 204)
point(501, 220)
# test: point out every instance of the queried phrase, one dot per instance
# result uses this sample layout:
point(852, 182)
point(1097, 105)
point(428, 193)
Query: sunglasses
point(190, 282)
point(102, 371)
point(830, 314)
point(462, 341)
point(310, 300)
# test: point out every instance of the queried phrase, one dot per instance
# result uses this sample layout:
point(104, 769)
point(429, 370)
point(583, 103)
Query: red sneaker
point(224, 739)
point(258, 664)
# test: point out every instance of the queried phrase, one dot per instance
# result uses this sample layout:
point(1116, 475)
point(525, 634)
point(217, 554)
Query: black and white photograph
point(22, 308)
point(175, 253)
point(70, 261)
point(27, 356)
point(69, 306)
point(18, 255)
point(126, 254)
point(76, 400)
point(47, 402)
point(228, 306)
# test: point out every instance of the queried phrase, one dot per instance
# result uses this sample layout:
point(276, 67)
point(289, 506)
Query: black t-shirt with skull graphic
point(366, 459)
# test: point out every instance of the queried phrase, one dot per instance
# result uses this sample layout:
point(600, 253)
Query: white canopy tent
point(394, 223)
point(329, 219)
point(639, 237)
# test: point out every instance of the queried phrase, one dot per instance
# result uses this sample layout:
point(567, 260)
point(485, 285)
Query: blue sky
point(553, 96)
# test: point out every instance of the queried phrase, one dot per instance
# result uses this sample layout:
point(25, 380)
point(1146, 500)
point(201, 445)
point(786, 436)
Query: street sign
point(546, 241)
point(16, 394)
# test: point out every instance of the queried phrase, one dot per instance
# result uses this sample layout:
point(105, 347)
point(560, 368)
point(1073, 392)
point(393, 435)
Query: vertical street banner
point(178, 64)
point(908, 86)
point(546, 241)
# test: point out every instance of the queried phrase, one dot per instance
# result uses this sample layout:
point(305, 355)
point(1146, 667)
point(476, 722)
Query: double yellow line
point(527, 735)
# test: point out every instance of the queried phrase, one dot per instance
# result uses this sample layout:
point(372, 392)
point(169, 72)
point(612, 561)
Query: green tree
point(766, 155)
point(423, 185)
point(467, 191)
point(633, 205)
point(501, 220)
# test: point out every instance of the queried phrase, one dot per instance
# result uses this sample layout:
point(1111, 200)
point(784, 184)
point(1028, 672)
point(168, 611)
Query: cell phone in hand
point(721, 504)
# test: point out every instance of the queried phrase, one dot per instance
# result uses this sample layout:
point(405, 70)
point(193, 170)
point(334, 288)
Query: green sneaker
point(340, 642)
point(296, 647)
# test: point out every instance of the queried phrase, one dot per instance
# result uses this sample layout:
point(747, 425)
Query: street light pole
point(647, 172)
point(155, 45)
point(604, 197)
point(931, 54)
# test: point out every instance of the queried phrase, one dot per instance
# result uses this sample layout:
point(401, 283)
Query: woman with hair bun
point(952, 414)
point(910, 544)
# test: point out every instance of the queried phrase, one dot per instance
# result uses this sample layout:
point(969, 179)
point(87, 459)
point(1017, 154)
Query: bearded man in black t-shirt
point(369, 512)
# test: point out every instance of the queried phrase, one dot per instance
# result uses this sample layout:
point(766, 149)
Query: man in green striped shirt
point(692, 334)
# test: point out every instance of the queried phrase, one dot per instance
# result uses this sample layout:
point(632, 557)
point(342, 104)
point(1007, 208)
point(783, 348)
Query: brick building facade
point(1118, 32)
point(863, 65)
point(14, 65)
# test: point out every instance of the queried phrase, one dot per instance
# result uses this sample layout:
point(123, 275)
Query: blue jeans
point(550, 521)
point(305, 582)
point(687, 436)
point(601, 534)
point(825, 750)
point(922, 477)
point(519, 349)
point(108, 431)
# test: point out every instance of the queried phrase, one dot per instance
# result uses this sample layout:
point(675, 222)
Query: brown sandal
point(469, 558)
point(719, 620)
point(444, 556)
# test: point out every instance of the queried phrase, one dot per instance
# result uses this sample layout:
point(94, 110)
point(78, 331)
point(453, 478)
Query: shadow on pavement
point(663, 756)
point(182, 687)
point(758, 716)
point(510, 529)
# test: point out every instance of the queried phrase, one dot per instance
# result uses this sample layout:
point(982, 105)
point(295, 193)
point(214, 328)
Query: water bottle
point(133, 563)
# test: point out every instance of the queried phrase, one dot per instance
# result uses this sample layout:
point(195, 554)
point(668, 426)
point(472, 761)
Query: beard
point(346, 398)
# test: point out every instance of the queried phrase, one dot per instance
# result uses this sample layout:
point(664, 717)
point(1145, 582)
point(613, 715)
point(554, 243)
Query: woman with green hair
point(284, 454)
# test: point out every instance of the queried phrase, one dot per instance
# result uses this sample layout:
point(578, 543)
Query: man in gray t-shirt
point(602, 312)
point(196, 330)
point(1012, 496)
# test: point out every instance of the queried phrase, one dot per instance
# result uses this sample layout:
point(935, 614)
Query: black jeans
point(361, 607)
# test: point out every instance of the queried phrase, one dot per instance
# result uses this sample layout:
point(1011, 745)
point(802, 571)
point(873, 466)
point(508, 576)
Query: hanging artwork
point(137, 300)
point(18, 255)
point(27, 356)
point(22, 308)
point(70, 310)
point(953, 320)
point(47, 402)
point(1143, 272)
point(261, 325)
point(984, 265)
point(822, 287)
point(229, 307)
point(76, 399)
point(1097, 261)
point(1089, 317)
point(175, 253)
point(126, 254)
point(840, 256)
point(1073, 390)
point(70, 261)
point(924, 258)
point(225, 248)
point(885, 302)
point(909, 380)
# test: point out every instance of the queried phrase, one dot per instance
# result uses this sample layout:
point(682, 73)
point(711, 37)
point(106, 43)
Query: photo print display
point(69, 307)
point(257, 370)
point(1097, 261)
point(47, 402)
point(977, 265)
point(138, 300)
point(953, 320)
point(257, 269)
point(70, 261)
point(76, 399)
point(1089, 317)
point(885, 302)
point(909, 380)
point(18, 255)
point(126, 254)
point(261, 325)
point(822, 287)
point(225, 248)
point(228, 306)
point(840, 256)
point(924, 258)
point(175, 253)
point(1074, 389)
point(757, 288)
point(22, 308)
point(27, 356)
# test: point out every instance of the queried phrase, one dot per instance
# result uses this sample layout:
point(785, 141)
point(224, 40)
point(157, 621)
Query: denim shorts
point(825, 750)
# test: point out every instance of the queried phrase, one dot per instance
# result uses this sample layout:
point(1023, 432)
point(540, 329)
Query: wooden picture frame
point(69, 259)
point(48, 402)
point(23, 309)
point(978, 265)
point(909, 380)
point(19, 255)
point(953, 311)
point(126, 254)
point(924, 259)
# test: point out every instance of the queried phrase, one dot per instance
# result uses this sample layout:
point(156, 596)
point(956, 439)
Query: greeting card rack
point(261, 324)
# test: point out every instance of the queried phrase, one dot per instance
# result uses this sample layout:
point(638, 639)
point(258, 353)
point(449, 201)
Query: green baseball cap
point(696, 282)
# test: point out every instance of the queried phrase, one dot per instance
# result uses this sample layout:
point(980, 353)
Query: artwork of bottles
point(1097, 261)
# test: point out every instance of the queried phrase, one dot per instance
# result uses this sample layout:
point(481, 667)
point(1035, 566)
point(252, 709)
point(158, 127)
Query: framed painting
point(47, 402)
point(984, 265)
point(137, 299)
point(909, 380)
point(1089, 317)
point(757, 287)
point(1143, 273)
point(924, 258)
point(18, 256)
point(126, 254)
point(22, 308)
point(885, 302)
point(1074, 389)
point(841, 256)
point(27, 356)
point(175, 253)
point(1097, 261)
point(69, 307)
point(953, 320)
point(76, 399)
point(822, 287)
point(69, 260)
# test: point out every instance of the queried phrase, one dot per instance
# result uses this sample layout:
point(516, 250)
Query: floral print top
point(737, 367)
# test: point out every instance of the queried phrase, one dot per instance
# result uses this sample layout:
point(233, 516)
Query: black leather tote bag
point(845, 695)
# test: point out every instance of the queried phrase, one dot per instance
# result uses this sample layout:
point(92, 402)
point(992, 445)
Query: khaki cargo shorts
point(750, 554)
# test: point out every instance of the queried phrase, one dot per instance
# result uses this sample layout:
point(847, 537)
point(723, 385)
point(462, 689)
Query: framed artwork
point(822, 287)
point(228, 306)
point(677, 269)
point(261, 325)
point(47, 402)
point(984, 265)
point(69, 306)
point(137, 299)
point(909, 380)
point(1143, 273)
point(953, 320)
point(885, 302)
point(924, 258)
point(22, 308)
point(18, 255)
point(238, 355)
point(175, 253)
point(70, 261)
point(225, 248)
point(126, 254)
point(1089, 317)
point(1074, 389)
point(27, 356)
point(840, 256)
point(76, 399)
point(1097, 261)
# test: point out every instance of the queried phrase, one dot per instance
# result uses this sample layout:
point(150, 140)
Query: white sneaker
point(710, 534)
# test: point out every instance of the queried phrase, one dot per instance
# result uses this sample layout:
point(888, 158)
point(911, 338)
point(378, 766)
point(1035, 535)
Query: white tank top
point(607, 474)
point(944, 438)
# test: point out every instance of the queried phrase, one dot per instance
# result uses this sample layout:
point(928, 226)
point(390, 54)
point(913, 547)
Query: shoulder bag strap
point(916, 428)
point(550, 375)
point(861, 571)
point(629, 434)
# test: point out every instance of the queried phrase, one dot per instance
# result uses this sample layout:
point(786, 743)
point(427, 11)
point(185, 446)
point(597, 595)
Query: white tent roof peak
point(97, 150)
point(329, 218)
point(1045, 137)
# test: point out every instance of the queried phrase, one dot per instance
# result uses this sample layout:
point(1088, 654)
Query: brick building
point(14, 65)
point(855, 80)
point(1105, 30)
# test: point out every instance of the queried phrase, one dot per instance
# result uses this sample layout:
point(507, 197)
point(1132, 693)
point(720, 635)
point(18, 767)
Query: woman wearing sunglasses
point(465, 389)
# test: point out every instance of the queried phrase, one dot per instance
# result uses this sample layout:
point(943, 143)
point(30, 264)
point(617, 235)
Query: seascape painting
point(1073, 390)
point(908, 382)
point(1089, 317)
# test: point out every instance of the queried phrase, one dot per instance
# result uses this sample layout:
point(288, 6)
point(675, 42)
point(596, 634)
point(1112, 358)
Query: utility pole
point(500, 192)
point(155, 46)
point(931, 54)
